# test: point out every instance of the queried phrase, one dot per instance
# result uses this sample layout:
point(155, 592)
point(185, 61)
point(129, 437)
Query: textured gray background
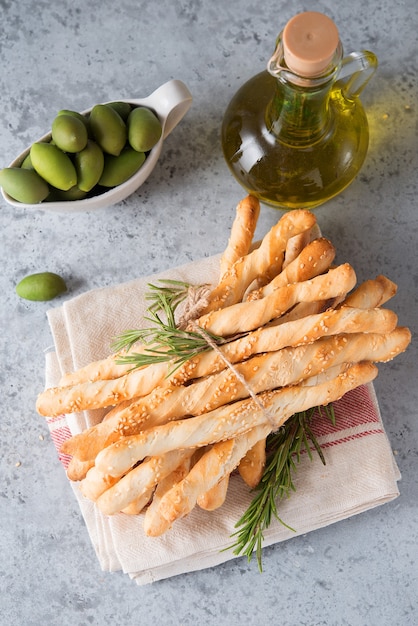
point(362, 571)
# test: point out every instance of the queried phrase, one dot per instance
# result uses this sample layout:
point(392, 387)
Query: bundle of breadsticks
point(296, 332)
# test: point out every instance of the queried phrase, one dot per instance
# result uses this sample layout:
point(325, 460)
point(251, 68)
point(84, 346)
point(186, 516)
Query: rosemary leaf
point(126, 340)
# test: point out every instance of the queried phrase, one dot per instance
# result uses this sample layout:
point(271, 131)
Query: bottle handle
point(356, 70)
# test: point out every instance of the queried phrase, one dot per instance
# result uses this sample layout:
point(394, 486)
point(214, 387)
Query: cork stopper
point(310, 40)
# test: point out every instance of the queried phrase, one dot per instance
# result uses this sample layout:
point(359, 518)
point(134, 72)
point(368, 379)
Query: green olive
point(57, 195)
point(69, 133)
point(53, 165)
point(144, 129)
point(89, 165)
point(76, 114)
point(123, 108)
point(27, 163)
point(23, 185)
point(41, 287)
point(108, 129)
point(117, 169)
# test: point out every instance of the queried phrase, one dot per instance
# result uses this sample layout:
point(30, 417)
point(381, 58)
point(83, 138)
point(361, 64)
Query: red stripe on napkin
point(363, 433)
point(355, 409)
point(60, 432)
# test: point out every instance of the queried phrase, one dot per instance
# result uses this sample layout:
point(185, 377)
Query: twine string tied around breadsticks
point(200, 331)
point(196, 301)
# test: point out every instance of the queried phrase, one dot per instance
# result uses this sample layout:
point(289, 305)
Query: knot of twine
point(196, 301)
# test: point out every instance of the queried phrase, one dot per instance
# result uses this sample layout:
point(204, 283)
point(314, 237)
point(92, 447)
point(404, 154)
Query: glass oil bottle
point(296, 134)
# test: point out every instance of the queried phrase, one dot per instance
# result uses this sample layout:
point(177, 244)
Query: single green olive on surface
point(41, 287)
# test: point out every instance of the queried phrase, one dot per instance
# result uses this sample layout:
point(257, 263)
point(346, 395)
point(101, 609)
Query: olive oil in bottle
point(297, 134)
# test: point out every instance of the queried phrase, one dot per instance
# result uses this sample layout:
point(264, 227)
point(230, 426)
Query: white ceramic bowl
point(170, 102)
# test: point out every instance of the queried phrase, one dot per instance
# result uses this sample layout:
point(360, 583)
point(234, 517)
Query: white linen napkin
point(360, 471)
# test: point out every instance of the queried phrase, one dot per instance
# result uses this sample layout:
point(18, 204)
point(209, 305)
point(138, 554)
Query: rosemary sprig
point(284, 449)
point(163, 341)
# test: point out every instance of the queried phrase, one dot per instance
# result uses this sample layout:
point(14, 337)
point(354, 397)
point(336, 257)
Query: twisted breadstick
point(214, 497)
point(242, 233)
point(154, 524)
point(265, 261)
point(371, 293)
point(252, 465)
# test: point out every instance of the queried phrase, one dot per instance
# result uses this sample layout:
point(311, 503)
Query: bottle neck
point(299, 110)
point(296, 114)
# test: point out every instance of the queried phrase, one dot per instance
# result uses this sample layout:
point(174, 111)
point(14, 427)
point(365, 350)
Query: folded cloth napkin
point(360, 471)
